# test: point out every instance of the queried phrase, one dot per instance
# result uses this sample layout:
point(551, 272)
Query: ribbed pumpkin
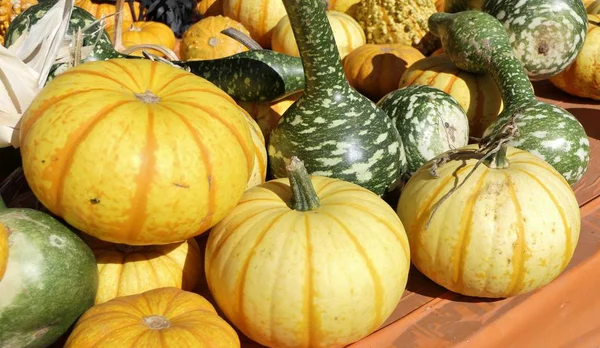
point(145, 32)
point(510, 229)
point(258, 16)
point(293, 268)
point(345, 6)
point(389, 21)
point(164, 317)
point(9, 9)
point(136, 152)
point(348, 35)
point(3, 249)
point(209, 8)
point(125, 270)
point(477, 94)
point(267, 115)
point(259, 172)
point(99, 9)
point(203, 40)
point(375, 69)
point(582, 78)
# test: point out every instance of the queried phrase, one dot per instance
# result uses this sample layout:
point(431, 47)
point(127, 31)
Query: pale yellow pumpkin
point(125, 270)
point(258, 16)
point(347, 32)
point(582, 78)
point(259, 172)
point(204, 40)
point(477, 94)
point(323, 268)
point(506, 231)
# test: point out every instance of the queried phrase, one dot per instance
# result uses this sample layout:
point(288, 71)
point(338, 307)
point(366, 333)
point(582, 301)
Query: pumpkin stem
point(147, 97)
point(242, 38)
point(304, 196)
point(156, 322)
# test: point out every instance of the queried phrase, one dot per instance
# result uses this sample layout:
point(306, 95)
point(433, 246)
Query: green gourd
point(334, 129)
point(477, 42)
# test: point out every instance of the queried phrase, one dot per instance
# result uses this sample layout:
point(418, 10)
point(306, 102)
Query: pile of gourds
point(291, 159)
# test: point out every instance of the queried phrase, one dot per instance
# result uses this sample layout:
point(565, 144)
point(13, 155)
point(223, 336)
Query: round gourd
point(129, 270)
point(259, 172)
point(204, 40)
point(3, 250)
point(258, 16)
point(478, 94)
point(99, 9)
point(136, 152)
point(347, 32)
point(267, 114)
point(506, 231)
point(583, 76)
point(164, 317)
point(281, 263)
point(429, 121)
point(145, 33)
point(375, 69)
point(50, 279)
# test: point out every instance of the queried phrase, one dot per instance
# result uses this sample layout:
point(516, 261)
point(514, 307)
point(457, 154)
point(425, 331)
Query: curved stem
point(242, 38)
point(164, 50)
point(118, 35)
point(304, 196)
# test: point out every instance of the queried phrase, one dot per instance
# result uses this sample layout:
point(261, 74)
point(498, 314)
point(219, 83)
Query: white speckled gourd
point(336, 131)
point(430, 122)
point(477, 42)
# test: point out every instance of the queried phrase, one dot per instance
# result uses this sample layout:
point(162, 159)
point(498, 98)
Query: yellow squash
point(258, 16)
point(136, 152)
point(145, 33)
point(204, 40)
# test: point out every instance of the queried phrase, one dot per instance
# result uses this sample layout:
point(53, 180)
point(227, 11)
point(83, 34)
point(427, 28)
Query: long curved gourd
point(545, 35)
point(477, 42)
point(336, 131)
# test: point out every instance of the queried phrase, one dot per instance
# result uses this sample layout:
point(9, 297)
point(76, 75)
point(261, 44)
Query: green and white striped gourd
point(335, 130)
point(477, 42)
point(430, 122)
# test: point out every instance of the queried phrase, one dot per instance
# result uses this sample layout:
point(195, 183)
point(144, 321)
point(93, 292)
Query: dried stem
point(162, 49)
point(242, 38)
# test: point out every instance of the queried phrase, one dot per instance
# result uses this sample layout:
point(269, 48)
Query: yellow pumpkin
point(477, 94)
point(375, 69)
point(3, 250)
point(267, 114)
point(341, 5)
point(136, 152)
point(293, 268)
point(9, 9)
point(439, 5)
point(259, 172)
point(128, 270)
point(164, 317)
point(258, 16)
point(203, 40)
point(582, 78)
point(99, 9)
point(347, 32)
point(510, 229)
point(209, 8)
point(145, 33)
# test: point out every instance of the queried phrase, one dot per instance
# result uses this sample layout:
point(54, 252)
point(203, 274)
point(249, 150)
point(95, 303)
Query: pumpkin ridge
point(249, 154)
point(466, 223)
point(322, 188)
point(151, 75)
point(569, 248)
point(207, 159)
point(170, 265)
point(71, 146)
point(450, 83)
point(309, 290)
point(126, 71)
point(518, 257)
point(95, 73)
point(375, 277)
point(554, 173)
point(239, 286)
point(167, 84)
point(202, 90)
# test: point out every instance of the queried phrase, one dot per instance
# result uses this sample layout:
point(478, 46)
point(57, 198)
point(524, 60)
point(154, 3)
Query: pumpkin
point(209, 8)
point(128, 270)
point(9, 9)
point(176, 151)
point(258, 16)
point(476, 93)
point(439, 5)
point(387, 21)
point(99, 9)
point(346, 6)
point(510, 229)
point(259, 172)
point(204, 40)
point(145, 33)
point(267, 114)
point(164, 317)
point(582, 78)
point(347, 32)
point(3, 250)
point(306, 242)
point(50, 279)
point(375, 69)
